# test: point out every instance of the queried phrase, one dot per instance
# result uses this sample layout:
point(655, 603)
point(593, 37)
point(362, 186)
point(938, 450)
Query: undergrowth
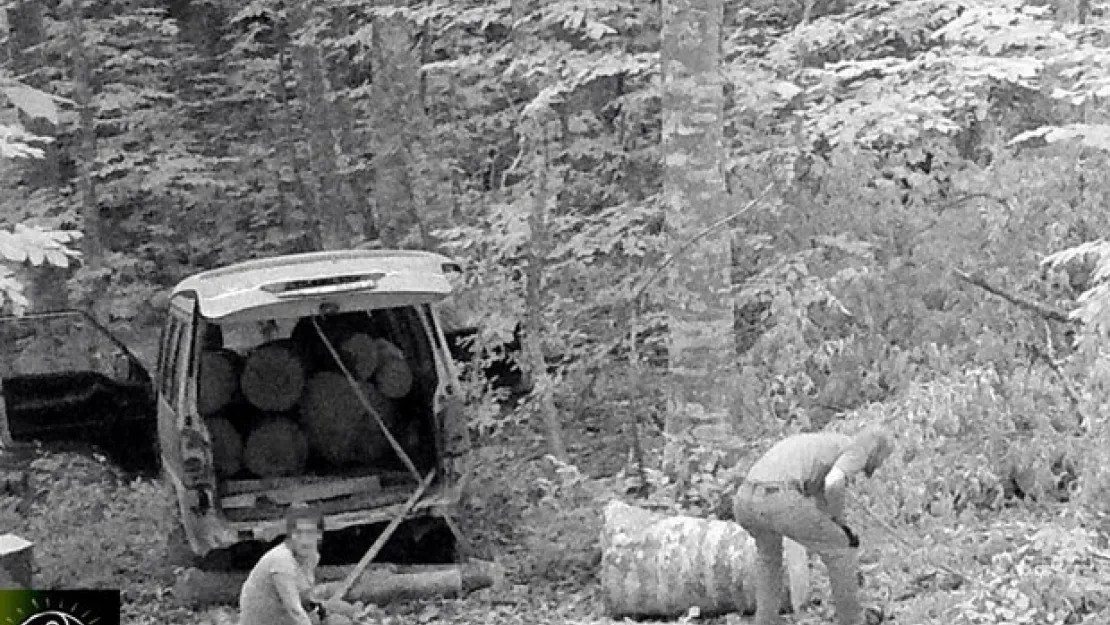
point(991, 511)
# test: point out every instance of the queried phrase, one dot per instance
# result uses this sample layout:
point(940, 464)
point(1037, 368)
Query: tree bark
point(396, 96)
point(661, 566)
point(698, 294)
point(534, 300)
point(319, 120)
point(534, 307)
point(92, 243)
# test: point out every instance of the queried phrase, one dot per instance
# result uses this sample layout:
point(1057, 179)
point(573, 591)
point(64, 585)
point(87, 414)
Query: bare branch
point(699, 236)
point(1044, 310)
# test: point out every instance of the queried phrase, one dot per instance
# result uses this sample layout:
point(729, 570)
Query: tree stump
point(661, 566)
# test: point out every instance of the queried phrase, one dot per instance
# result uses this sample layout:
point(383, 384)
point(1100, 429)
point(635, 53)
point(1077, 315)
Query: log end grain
point(393, 376)
point(361, 355)
point(276, 448)
point(273, 376)
point(227, 446)
point(218, 380)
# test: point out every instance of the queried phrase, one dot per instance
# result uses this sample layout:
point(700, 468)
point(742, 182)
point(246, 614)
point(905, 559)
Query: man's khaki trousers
point(769, 512)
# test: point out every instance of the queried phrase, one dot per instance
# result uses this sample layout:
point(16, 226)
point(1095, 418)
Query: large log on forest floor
point(380, 584)
point(275, 448)
point(338, 426)
point(655, 565)
point(273, 376)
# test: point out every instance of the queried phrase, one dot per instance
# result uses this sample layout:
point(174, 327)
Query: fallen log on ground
point(273, 376)
point(380, 584)
point(655, 565)
point(383, 587)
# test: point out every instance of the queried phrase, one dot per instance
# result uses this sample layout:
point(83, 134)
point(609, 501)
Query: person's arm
point(286, 587)
point(836, 483)
point(855, 459)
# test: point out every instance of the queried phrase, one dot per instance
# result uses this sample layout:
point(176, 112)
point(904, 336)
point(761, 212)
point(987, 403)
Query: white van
point(273, 381)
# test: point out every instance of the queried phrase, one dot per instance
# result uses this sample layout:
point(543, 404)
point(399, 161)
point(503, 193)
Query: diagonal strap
point(366, 403)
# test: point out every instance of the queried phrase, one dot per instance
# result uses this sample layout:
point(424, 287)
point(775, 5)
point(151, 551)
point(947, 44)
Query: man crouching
point(281, 583)
point(797, 490)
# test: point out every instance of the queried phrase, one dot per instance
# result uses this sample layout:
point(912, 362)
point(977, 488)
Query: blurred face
point(305, 539)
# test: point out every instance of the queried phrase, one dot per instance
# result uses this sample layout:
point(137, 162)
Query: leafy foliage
point(901, 141)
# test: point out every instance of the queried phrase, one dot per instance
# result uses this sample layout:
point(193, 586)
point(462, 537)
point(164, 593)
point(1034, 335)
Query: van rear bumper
point(432, 505)
point(213, 530)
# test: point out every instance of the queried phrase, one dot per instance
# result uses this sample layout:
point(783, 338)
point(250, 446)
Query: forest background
point(716, 222)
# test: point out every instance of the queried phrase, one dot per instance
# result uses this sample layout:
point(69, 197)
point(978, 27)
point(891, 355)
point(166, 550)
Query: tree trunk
point(330, 210)
point(288, 144)
point(543, 385)
point(534, 271)
point(92, 242)
point(654, 565)
point(396, 96)
point(693, 191)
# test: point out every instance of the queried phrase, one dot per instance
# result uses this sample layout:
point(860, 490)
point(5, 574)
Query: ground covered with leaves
point(945, 538)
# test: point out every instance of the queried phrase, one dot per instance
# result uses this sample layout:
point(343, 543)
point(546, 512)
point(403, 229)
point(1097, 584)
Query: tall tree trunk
point(330, 210)
point(396, 96)
point(22, 32)
point(287, 141)
point(92, 243)
point(534, 301)
point(693, 190)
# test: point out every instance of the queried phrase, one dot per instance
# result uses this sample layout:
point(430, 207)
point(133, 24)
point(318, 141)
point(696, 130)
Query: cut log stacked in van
point(269, 412)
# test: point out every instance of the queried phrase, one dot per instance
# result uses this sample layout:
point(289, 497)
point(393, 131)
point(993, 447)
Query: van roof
point(298, 285)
